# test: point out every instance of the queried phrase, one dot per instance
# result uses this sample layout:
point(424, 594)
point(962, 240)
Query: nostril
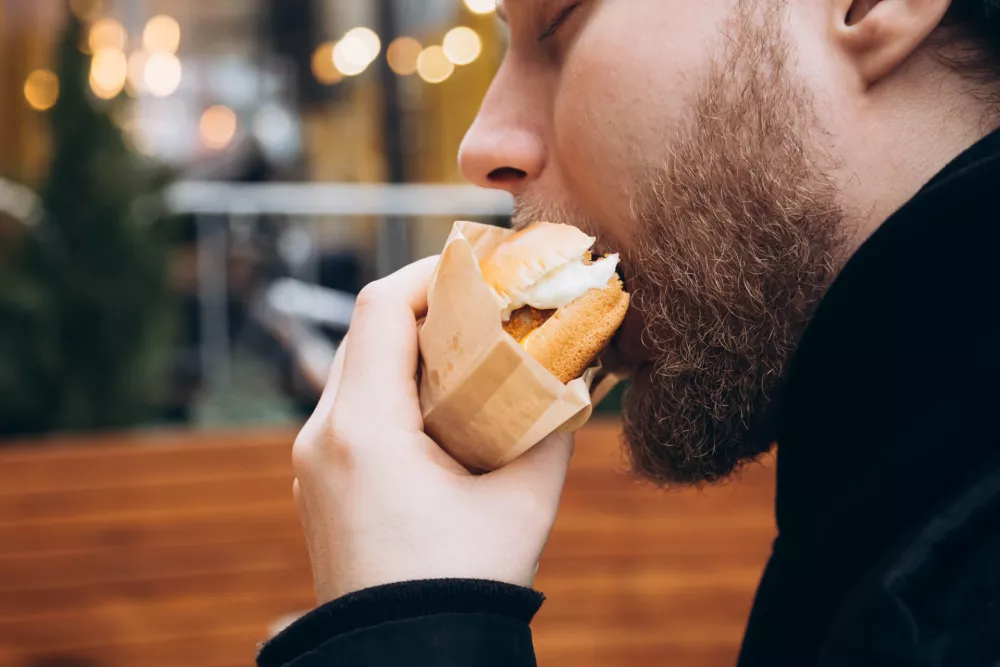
point(507, 175)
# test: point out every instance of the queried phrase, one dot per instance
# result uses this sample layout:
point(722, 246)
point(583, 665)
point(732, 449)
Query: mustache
point(529, 209)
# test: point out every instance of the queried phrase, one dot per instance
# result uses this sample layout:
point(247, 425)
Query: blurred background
point(192, 192)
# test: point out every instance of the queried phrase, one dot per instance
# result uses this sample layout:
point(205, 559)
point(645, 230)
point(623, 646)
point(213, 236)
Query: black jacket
point(888, 493)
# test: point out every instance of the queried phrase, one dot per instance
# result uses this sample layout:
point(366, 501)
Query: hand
point(379, 500)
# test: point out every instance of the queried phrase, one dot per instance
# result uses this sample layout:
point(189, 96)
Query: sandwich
point(558, 302)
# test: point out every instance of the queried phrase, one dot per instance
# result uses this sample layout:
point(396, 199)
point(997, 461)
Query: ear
point(878, 35)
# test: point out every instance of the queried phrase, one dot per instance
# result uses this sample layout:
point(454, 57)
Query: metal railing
point(294, 309)
point(336, 199)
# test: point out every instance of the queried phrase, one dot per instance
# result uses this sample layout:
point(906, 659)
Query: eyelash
point(559, 20)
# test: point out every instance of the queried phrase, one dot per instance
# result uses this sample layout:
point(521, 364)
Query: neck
point(910, 129)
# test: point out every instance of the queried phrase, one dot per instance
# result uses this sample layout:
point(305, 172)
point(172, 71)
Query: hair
point(970, 43)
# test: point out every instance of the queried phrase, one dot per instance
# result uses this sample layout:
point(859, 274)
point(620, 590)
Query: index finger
point(380, 365)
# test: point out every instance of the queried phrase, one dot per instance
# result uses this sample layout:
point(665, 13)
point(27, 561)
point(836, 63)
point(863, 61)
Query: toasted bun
point(525, 256)
point(568, 342)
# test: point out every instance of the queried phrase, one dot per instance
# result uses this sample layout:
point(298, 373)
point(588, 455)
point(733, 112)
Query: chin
point(673, 439)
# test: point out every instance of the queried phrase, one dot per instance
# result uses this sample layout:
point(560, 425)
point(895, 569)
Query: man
point(804, 196)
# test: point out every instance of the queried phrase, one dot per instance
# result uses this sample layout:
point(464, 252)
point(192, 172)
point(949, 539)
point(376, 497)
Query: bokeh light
point(272, 124)
point(162, 34)
point(41, 89)
point(322, 65)
point(106, 34)
point(366, 36)
point(162, 74)
point(108, 71)
point(402, 55)
point(350, 57)
point(217, 127)
point(481, 6)
point(462, 45)
point(355, 52)
point(433, 65)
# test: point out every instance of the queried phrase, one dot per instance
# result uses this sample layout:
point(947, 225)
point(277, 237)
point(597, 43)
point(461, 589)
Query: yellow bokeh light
point(433, 65)
point(162, 34)
point(462, 45)
point(402, 55)
point(108, 71)
point(322, 65)
point(162, 74)
point(481, 6)
point(106, 34)
point(217, 127)
point(41, 89)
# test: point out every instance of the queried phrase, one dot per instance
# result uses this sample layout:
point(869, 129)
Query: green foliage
point(85, 326)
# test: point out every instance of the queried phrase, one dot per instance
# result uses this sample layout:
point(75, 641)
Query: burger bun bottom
point(568, 342)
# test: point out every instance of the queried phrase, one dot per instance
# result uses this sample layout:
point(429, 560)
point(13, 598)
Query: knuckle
point(330, 446)
point(303, 453)
point(339, 441)
point(372, 294)
point(324, 442)
point(334, 442)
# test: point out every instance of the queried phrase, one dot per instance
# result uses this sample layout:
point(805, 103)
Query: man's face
point(678, 134)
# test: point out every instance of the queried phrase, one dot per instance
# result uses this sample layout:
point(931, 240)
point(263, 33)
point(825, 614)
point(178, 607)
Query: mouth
point(626, 354)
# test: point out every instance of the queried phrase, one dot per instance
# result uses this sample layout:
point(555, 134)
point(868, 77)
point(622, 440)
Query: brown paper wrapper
point(484, 399)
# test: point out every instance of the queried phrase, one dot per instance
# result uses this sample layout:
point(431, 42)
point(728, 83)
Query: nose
point(504, 148)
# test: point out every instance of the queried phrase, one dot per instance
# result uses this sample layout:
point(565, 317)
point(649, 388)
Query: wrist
point(377, 576)
point(396, 602)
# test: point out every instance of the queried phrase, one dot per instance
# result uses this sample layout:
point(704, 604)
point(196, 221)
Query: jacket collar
point(893, 356)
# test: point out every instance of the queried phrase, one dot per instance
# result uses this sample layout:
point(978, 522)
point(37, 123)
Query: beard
point(738, 233)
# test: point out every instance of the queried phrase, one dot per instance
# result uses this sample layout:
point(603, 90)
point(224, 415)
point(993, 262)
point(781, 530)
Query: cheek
point(625, 84)
point(816, 64)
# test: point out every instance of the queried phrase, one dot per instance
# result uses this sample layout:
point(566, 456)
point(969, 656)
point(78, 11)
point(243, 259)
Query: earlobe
point(879, 35)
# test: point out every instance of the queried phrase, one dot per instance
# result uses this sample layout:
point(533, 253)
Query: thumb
point(542, 469)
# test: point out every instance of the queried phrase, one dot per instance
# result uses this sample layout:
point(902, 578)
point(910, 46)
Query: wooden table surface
point(184, 548)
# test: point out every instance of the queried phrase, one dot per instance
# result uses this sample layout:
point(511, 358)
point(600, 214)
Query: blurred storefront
point(309, 90)
point(260, 122)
